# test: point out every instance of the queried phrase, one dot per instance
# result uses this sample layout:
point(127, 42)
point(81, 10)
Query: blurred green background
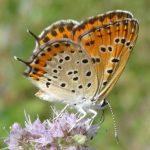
point(130, 98)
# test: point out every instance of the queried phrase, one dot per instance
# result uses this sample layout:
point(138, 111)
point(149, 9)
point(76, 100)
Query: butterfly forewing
point(63, 71)
point(123, 53)
point(109, 46)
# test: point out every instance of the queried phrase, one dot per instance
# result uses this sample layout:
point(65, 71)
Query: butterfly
point(78, 63)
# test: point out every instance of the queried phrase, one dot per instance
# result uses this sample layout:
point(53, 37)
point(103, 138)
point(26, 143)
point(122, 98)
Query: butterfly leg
point(94, 115)
point(93, 112)
point(61, 112)
point(83, 114)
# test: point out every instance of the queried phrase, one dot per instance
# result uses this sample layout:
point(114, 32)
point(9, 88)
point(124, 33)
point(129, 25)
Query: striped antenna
point(114, 122)
point(34, 35)
point(24, 62)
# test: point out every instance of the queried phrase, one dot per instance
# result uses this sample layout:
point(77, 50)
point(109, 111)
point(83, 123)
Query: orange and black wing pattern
point(108, 40)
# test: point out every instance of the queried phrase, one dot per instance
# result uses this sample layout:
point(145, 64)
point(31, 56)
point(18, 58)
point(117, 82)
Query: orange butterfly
point(79, 63)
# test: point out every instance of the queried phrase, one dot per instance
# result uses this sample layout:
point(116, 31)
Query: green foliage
point(129, 98)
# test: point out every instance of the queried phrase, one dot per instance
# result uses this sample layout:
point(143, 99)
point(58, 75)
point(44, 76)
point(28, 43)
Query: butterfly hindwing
point(62, 71)
point(57, 30)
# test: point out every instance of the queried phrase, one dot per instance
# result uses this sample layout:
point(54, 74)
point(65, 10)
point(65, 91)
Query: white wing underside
point(77, 74)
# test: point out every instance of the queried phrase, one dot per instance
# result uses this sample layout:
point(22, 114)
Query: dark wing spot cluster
point(55, 77)
point(123, 40)
point(127, 43)
point(110, 48)
point(49, 49)
point(92, 42)
point(88, 73)
point(95, 60)
point(56, 45)
point(77, 62)
point(75, 72)
point(46, 39)
point(42, 54)
point(70, 72)
point(61, 29)
point(103, 49)
point(37, 61)
point(63, 84)
point(67, 44)
point(61, 60)
point(53, 33)
point(65, 36)
point(80, 51)
point(70, 26)
point(117, 40)
point(115, 60)
point(130, 47)
point(89, 43)
point(72, 51)
point(89, 84)
point(80, 86)
point(47, 84)
point(48, 79)
point(109, 71)
point(104, 83)
point(75, 78)
point(55, 71)
point(67, 58)
point(59, 67)
point(85, 61)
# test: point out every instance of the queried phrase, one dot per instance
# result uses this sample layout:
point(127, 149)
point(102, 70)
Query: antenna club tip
point(117, 138)
point(28, 30)
point(34, 35)
point(18, 59)
point(15, 57)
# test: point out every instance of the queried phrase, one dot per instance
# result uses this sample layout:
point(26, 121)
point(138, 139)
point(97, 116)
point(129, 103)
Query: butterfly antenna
point(33, 35)
point(114, 122)
point(24, 62)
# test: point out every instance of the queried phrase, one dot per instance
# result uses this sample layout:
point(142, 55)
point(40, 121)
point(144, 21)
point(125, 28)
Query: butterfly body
point(79, 63)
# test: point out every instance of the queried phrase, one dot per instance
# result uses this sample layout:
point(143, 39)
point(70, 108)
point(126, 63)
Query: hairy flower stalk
point(63, 132)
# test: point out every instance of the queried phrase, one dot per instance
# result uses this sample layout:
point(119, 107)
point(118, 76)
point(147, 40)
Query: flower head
point(63, 132)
